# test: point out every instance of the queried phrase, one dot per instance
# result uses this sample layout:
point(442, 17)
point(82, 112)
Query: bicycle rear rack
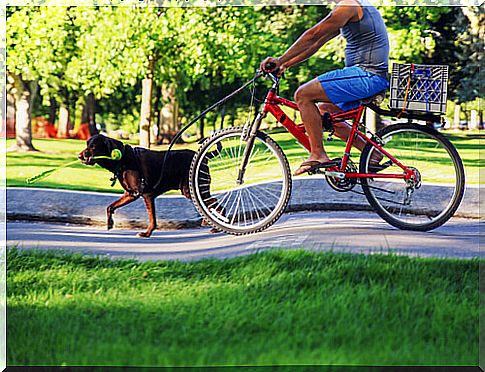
point(433, 118)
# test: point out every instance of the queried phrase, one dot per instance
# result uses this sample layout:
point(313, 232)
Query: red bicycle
point(240, 179)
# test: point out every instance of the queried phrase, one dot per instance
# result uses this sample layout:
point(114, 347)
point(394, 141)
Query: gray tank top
point(367, 41)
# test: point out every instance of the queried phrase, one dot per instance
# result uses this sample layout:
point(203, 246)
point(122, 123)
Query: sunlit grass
point(281, 307)
point(21, 166)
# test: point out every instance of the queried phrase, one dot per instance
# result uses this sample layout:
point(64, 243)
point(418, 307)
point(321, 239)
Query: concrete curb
point(176, 212)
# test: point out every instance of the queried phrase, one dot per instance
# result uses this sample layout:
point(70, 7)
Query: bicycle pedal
point(316, 171)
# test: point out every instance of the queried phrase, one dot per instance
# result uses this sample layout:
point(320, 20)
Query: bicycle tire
point(432, 216)
point(201, 165)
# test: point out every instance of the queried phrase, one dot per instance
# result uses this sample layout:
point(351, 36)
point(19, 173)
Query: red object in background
point(8, 129)
point(83, 132)
point(41, 128)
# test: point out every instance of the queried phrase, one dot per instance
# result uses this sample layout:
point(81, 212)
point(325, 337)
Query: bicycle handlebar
point(272, 76)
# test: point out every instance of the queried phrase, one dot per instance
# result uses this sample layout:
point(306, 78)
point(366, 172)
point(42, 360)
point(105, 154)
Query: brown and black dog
point(139, 172)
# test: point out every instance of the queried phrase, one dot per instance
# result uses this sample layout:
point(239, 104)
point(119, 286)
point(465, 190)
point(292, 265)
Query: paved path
point(357, 232)
point(173, 211)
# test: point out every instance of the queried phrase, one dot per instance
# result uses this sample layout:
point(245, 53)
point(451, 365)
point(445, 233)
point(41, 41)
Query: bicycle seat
point(375, 99)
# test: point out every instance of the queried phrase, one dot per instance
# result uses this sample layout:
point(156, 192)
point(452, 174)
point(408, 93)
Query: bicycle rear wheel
point(230, 206)
point(433, 198)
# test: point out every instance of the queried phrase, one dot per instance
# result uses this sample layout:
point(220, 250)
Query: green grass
point(280, 307)
point(80, 177)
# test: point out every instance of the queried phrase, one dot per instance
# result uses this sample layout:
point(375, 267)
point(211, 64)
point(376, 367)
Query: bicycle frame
point(271, 105)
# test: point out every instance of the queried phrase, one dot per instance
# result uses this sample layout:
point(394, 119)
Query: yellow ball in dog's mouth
point(116, 154)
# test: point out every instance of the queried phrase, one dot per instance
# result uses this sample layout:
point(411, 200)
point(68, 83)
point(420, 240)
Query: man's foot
point(145, 234)
point(376, 157)
point(310, 165)
point(375, 167)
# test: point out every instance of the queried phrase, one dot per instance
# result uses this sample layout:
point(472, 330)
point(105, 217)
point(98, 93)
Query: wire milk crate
point(419, 87)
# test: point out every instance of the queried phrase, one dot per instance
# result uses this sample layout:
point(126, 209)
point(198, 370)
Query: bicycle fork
point(248, 135)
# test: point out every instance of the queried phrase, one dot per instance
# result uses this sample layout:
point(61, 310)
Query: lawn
point(80, 177)
point(279, 307)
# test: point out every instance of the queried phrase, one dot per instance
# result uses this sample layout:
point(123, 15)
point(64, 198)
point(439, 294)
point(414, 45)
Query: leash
point(115, 155)
point(201, 115)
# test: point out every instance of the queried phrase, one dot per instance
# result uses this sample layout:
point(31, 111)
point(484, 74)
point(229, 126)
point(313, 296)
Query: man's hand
point(271, 64)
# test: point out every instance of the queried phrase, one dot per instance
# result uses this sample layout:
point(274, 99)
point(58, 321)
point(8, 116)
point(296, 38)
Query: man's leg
point(343, 129)
point(306, 97)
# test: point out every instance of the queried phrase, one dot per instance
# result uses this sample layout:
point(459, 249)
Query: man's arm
point(314, 38)
point(309, 52)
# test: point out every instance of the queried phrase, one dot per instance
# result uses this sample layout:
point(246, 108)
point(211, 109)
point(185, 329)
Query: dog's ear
point(112, 144)
point(90, 140)
point(108, 142)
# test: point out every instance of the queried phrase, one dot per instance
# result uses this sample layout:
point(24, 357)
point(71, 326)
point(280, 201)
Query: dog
point(139, 173)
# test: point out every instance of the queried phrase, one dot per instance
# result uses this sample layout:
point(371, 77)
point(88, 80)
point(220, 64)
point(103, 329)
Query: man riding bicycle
point(364, 75)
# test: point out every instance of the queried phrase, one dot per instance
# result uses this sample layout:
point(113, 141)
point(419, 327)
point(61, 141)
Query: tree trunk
point(175, 114)
point(88, 115)
point(145, 114)
point(169, 112)
point(456, 117)
point(156, 109)
point(146, 105)
point(473, 119)
point(72, 117)
point(11, 112)
point(465, 111)
point(52, 110)
point(63, 126)
point(25, 95)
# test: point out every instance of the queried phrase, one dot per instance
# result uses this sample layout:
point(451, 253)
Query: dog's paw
point(143, 235)
point(214, 231)
point(110, 225)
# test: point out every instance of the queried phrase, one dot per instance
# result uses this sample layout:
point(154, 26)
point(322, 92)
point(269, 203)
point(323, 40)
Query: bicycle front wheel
point(427, 202)
point(228, 204)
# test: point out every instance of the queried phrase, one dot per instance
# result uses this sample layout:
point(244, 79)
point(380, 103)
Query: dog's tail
point(213, 154)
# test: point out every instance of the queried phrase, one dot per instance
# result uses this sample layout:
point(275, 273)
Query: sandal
point(312, 165)
point(376, 167)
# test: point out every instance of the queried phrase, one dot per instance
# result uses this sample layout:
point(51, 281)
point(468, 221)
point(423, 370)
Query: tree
point(470, 53)
point(41, 43)
point(32, 37)
point(25, 92)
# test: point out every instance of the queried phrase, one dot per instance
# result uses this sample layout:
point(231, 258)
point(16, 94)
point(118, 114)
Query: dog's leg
point(150, 204)
point(212, 202)
point(209, 201)
point(124, 200)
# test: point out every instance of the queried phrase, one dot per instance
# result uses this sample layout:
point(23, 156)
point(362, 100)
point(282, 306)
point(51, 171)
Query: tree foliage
point(206, 52)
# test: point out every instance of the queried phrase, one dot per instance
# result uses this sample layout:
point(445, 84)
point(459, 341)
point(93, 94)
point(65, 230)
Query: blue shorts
point(346, 87)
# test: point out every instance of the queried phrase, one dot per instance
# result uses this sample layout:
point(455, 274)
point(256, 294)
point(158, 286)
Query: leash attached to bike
point(200, 116)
